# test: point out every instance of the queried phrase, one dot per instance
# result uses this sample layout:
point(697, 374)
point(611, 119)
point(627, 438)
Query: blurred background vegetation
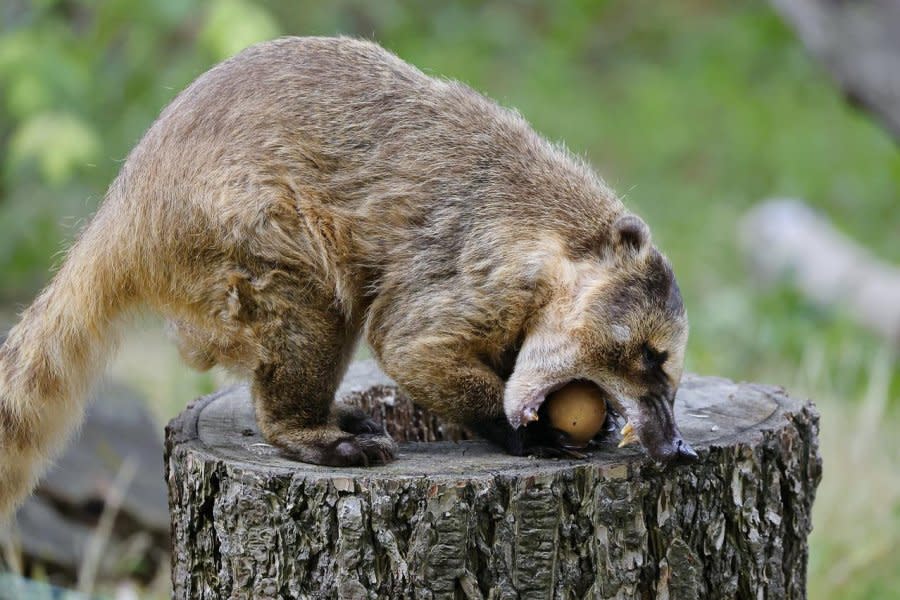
point(693, 111)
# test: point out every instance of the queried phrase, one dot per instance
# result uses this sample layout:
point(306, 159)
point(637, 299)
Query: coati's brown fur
point(310, 189)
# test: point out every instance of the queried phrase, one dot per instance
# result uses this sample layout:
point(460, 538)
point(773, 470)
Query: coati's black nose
point(684, 454)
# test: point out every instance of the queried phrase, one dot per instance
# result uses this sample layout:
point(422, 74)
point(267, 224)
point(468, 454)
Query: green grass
point(694, 111)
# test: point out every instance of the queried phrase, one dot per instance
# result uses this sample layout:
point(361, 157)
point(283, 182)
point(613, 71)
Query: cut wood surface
point(464, 520)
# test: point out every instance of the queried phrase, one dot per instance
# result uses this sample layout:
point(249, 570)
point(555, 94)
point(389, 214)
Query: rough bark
point(462, 520)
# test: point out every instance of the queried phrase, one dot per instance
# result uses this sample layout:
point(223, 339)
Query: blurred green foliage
point(693, 110)
point(81, 81)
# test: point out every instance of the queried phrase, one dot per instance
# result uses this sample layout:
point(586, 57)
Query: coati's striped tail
point(52, 356)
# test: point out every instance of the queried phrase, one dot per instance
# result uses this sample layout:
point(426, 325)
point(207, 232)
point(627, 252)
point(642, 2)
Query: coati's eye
point(652, 357)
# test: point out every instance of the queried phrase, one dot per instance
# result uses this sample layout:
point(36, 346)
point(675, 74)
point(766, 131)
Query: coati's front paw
point(611, 425)
point(536, 439)
point(549, 442)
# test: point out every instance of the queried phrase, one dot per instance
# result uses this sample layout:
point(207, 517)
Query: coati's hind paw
point(355, 420)
point(335, 448)
point(360, 451)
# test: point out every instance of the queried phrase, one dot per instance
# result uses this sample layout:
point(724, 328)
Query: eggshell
point(579, 409)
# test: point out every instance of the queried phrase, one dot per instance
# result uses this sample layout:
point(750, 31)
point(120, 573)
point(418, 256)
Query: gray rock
point(55, 525)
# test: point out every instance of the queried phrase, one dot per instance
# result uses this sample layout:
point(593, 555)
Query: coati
point(311, 189)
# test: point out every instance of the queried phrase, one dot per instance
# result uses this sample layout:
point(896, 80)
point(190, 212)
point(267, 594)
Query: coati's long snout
point(657, 431)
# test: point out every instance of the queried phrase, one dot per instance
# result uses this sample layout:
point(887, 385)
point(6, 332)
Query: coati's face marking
point(622, 325)
point(632, 345)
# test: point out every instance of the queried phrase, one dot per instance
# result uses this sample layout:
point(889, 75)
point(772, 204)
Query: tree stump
point(463, 520)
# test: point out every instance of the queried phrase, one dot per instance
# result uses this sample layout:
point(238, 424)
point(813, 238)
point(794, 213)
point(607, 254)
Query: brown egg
point(579, 409)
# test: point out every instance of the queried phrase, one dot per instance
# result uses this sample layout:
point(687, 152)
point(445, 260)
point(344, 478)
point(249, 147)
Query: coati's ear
point(631, 236)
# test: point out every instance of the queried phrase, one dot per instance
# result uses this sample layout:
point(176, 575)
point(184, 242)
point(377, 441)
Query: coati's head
point(617, 320)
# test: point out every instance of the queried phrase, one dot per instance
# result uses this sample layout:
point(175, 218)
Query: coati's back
point(361, 137)
point(293, 120)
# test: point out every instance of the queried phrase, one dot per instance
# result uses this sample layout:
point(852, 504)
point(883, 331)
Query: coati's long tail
point(51, 357)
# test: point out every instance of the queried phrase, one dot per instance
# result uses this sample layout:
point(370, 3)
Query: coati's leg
point(462, 388)
point(293, 391)
point(453, 384)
